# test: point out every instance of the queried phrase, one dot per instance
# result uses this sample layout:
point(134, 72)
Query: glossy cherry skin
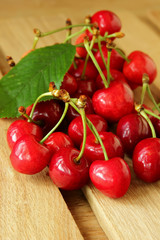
point(29, 156)
point(139, 64)
point(146, 159)
point(75, 129)
point(90, 73)
point(111, 177)
point(21, 127)
point(47, 113)
point(69, 84)
point(112, 144)
point(86, 87)
point(107, 22)
point(116, 61)
point(72, 113)
point(58, 140)
point(113, 102)
point(116, 75)
point(131, 129)
point(65, 173)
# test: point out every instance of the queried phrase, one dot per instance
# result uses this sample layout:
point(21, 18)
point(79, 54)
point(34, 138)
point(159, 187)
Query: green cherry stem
point(108, 65)
point(122, 54)
point(75, 34)
point(152, 98)
point(151, 113)
point(101, 53)
point(35, 103)
point(83, 116)
point(145, 81)
point(143, 114)
point(59, 122)
point(86, 44)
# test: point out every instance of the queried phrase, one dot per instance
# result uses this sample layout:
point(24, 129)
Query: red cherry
point(114, 102)
point(107, 22)
point(90, 73)
point(116, 61)
point(131, 129)
point(65, 173)
point(112, 144)
point(116, 75)
point(28, 156)
point(72, 113)
point(58, 140)
point(75, 129)
point(69, 83)
point(139, 64)
point(156, 124)
point(86, 87)
point(21, 127)
point(47, 113)
point(111, 177)
point(146, 159)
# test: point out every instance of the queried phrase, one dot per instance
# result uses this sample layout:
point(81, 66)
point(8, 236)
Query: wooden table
point(40, 13)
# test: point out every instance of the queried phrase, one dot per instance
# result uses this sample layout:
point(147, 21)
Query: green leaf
point(32, 75)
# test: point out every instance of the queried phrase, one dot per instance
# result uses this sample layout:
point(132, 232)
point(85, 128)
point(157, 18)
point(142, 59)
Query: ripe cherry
point(146, 159)
point(131, 129)
point(47, 113)
point(21, 127)
point(139, 64)
point(29, 156)
point(69, 83)
point(86, 87)
point(58, 140)
point(107, 22)
point(113, 102)
point(75, 129)
point(111, 177)
point(65, 172)
point(112, 144)
point(116, 61)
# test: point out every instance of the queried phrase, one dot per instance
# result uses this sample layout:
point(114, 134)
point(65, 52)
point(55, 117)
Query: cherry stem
point(152, 98)
point(83, 116)
point(143, 114)
point(35, 42)
point(95, 63)
point(57, 125)
point(101, 53)
point(145, 80)
point(93, 130)
point(75, 34)
point(122, 55)
point(108, 65)
point(151, 113)
point(35, 103)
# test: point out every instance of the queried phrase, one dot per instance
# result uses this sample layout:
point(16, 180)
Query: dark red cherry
point(113, 102)
point(115, 74)
point(139, 64)
point(75, 129)
point(86, 87)
point(21, 127)
point(131, 129)
point(146, 159)
point(111, 177)
point(65, 173)
point(29, 156)
point(156, 124)
point(58, 140)
point(116, 61)
point(107, 22)
point(47, 113)
point(69, 83)
point(112, 144)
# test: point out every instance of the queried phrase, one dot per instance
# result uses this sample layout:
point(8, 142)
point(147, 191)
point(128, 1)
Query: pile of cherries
point(84, 131)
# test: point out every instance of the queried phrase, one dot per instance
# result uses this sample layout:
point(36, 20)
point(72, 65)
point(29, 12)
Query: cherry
point(113, 102)
point(112, 144)
point(69, 83)
point(28, 156)
point(72, 113)
point(47, 113)
point(65, 172)
point(116, 75)
point(146, 159)
point(116, 61)
point(131, 129)
point(156, 124)
point(111, 177)
point(21, 127)
point(86, 87)
point(139, 64)
point(107, 22)
point(58, 140)
point(75, 129)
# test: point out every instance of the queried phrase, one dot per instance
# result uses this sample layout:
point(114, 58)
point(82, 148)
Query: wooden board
point(134, 216)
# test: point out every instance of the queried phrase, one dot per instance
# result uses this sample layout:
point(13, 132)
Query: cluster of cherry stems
point(96, 103)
